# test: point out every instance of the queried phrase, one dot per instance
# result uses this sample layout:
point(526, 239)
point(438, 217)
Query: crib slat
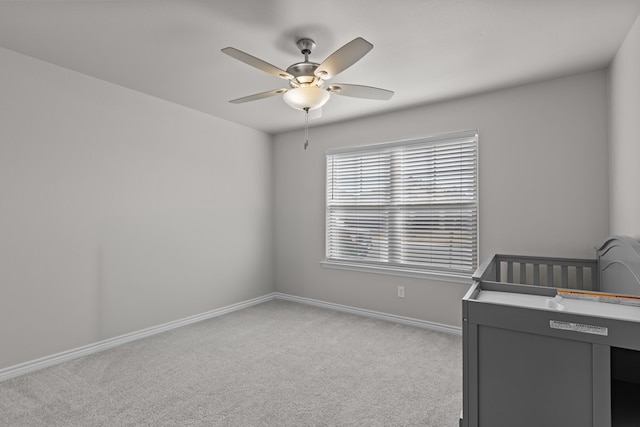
point(579, 278)
point(565, 277)
point(509, 272)
point(523, 273)
point(549, 275)
point(536, 274)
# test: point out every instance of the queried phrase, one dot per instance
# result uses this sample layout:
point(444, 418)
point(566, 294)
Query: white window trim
point(399, 271)
point(420, 273)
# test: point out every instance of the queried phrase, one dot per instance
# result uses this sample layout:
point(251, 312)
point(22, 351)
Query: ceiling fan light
point(305, 80)
point(311, 97)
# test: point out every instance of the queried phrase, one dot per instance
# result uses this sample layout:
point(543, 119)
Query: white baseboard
point(373, 314)
point(47, 361)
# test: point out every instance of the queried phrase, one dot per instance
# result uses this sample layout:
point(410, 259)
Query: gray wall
point(543, 188)
point(624, 138)
point(120, 211)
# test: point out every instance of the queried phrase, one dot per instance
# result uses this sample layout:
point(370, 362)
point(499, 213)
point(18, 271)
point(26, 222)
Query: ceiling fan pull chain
point(306, 128)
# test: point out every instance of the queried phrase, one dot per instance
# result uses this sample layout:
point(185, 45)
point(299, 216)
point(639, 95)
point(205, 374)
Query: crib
point(554, 342)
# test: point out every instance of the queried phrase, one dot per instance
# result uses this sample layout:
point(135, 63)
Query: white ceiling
point(424, 50)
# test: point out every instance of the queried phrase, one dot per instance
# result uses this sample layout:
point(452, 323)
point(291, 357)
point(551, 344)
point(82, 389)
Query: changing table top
point(561, 305)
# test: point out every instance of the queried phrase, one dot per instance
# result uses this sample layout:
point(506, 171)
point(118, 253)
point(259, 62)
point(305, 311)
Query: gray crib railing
point(540, 271)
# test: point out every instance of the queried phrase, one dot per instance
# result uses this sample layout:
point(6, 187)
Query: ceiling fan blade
point(256, 62)
point(359, 91)
point(257, 96)
point(343, 58)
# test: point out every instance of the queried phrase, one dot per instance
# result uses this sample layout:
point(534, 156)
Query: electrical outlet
point(400, 291)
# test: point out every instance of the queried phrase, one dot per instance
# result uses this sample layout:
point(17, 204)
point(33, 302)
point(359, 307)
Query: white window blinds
point(409, 204)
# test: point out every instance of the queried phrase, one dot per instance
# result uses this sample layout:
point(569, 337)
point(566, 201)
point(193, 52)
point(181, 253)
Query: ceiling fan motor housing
point(303, 73)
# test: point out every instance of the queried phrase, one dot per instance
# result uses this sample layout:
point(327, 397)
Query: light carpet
point(278, 363)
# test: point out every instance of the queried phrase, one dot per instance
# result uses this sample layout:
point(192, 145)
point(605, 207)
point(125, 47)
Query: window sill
point(398, 271)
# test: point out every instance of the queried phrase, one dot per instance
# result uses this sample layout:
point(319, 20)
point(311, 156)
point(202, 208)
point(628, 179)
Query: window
point(406, 206)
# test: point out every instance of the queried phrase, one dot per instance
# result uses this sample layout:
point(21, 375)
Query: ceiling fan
point(306, 90)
